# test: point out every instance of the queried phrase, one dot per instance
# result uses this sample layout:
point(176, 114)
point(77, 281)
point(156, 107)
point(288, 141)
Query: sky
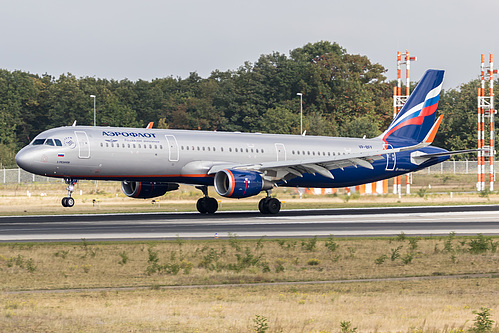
point(151, 39)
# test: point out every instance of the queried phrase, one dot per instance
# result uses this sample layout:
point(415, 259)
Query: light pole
point(93, 96)
point(301, 112)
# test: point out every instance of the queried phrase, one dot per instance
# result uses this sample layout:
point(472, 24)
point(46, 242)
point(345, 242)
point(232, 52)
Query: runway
point(463, 220)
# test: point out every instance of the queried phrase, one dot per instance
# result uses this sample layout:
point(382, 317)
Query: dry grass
point(232, 260)
point(421, 306)
point(417, 306)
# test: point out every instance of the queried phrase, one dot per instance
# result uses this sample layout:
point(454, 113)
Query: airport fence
point(13, 176)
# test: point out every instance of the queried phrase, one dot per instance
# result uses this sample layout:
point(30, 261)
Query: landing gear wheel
point(207, 205)
point(211, 205)
point(273, 206)
point(201, 205)
point(70, 202)
point(262, 206)
point(269, 206)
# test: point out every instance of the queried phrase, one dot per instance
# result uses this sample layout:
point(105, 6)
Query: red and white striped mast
point(486, 109)
point(399, 101)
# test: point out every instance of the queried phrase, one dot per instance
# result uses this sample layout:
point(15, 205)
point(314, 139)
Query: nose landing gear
point(69, 201)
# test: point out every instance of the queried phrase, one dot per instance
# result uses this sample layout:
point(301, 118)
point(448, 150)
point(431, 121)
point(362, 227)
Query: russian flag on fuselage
point(417, 116)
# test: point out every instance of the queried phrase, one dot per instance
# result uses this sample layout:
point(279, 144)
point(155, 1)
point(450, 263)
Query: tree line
point(343, 95)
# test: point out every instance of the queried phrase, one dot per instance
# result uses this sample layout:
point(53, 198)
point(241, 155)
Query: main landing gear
point(206, 205)
point(69, 201)
point(269, 205)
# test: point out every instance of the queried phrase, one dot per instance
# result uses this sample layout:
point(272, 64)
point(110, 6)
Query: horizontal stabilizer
point(448, 153)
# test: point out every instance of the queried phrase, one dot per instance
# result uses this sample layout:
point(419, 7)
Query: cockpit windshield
point(38, 142)
point(47, 142)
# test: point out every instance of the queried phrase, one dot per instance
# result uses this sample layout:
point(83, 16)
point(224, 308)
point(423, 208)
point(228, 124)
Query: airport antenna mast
point(486, 110)
point(399, 101)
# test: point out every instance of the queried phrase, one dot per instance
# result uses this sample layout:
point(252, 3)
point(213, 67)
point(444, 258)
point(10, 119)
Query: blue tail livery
point(416, 118)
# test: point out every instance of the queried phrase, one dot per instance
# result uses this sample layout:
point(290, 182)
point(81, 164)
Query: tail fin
point(417, 117)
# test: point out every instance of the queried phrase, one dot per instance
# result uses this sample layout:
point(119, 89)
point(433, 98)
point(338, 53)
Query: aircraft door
point(391, 159)
point(281, 151)
point(172, 148)
point(83, 144)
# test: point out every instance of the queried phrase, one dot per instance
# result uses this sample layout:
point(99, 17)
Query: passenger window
point(38, 142)
point(236, 150)
point(49, 142)
point(107, 144)
point(262, 151)
point(58, 142)
point(101, 144)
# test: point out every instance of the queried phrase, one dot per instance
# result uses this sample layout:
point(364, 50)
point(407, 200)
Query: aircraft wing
point(285, 170)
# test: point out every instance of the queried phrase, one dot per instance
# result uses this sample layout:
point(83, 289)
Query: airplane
point(150, 162)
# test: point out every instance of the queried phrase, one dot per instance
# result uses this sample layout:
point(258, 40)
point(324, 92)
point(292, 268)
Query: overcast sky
point(154, 39)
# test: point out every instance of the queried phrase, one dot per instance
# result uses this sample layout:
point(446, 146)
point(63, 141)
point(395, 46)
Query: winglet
point(149, 126)
point(431, 134)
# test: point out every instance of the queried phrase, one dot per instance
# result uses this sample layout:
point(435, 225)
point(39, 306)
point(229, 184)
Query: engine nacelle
point(146, 190)
point(239, 183)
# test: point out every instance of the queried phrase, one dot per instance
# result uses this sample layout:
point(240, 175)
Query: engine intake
point(146, 190)
point(239, 184)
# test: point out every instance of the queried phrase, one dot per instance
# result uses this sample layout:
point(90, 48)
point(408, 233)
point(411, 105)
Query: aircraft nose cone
point(24, 159)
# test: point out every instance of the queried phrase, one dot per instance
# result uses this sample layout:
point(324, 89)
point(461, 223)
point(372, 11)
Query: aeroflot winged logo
point(418, 114)
point(129, 134)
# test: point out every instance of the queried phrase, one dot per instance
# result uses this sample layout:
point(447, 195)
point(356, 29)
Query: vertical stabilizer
point(417, 117)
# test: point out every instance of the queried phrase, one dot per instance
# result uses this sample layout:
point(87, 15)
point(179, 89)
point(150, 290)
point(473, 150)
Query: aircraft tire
point(70, 202)
point(202, 206)
point(211, 205)
point(262, 206)
point(64, 202)
point(273, 206)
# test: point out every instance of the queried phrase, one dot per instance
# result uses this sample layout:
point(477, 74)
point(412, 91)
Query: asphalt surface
point(463, 220)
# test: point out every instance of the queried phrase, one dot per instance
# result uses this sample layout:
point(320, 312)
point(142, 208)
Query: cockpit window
point(38, 142)
point(58, 142)
point(49, 142)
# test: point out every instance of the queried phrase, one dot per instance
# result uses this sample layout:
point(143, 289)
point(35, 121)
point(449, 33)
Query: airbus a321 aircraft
point(151, 162)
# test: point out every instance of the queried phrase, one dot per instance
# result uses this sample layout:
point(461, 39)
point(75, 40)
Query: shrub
point(407, 259)
point(309, 245)
point(313, 262)
point(483, 323)
point(330, 244)
point(261, 324)
point(395, 253)
point(381, 259)
point(124, 258)
point(480, 245)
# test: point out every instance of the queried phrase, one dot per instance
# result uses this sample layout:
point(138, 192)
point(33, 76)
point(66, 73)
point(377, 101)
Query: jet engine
point(146, 190)
point(239, 183)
